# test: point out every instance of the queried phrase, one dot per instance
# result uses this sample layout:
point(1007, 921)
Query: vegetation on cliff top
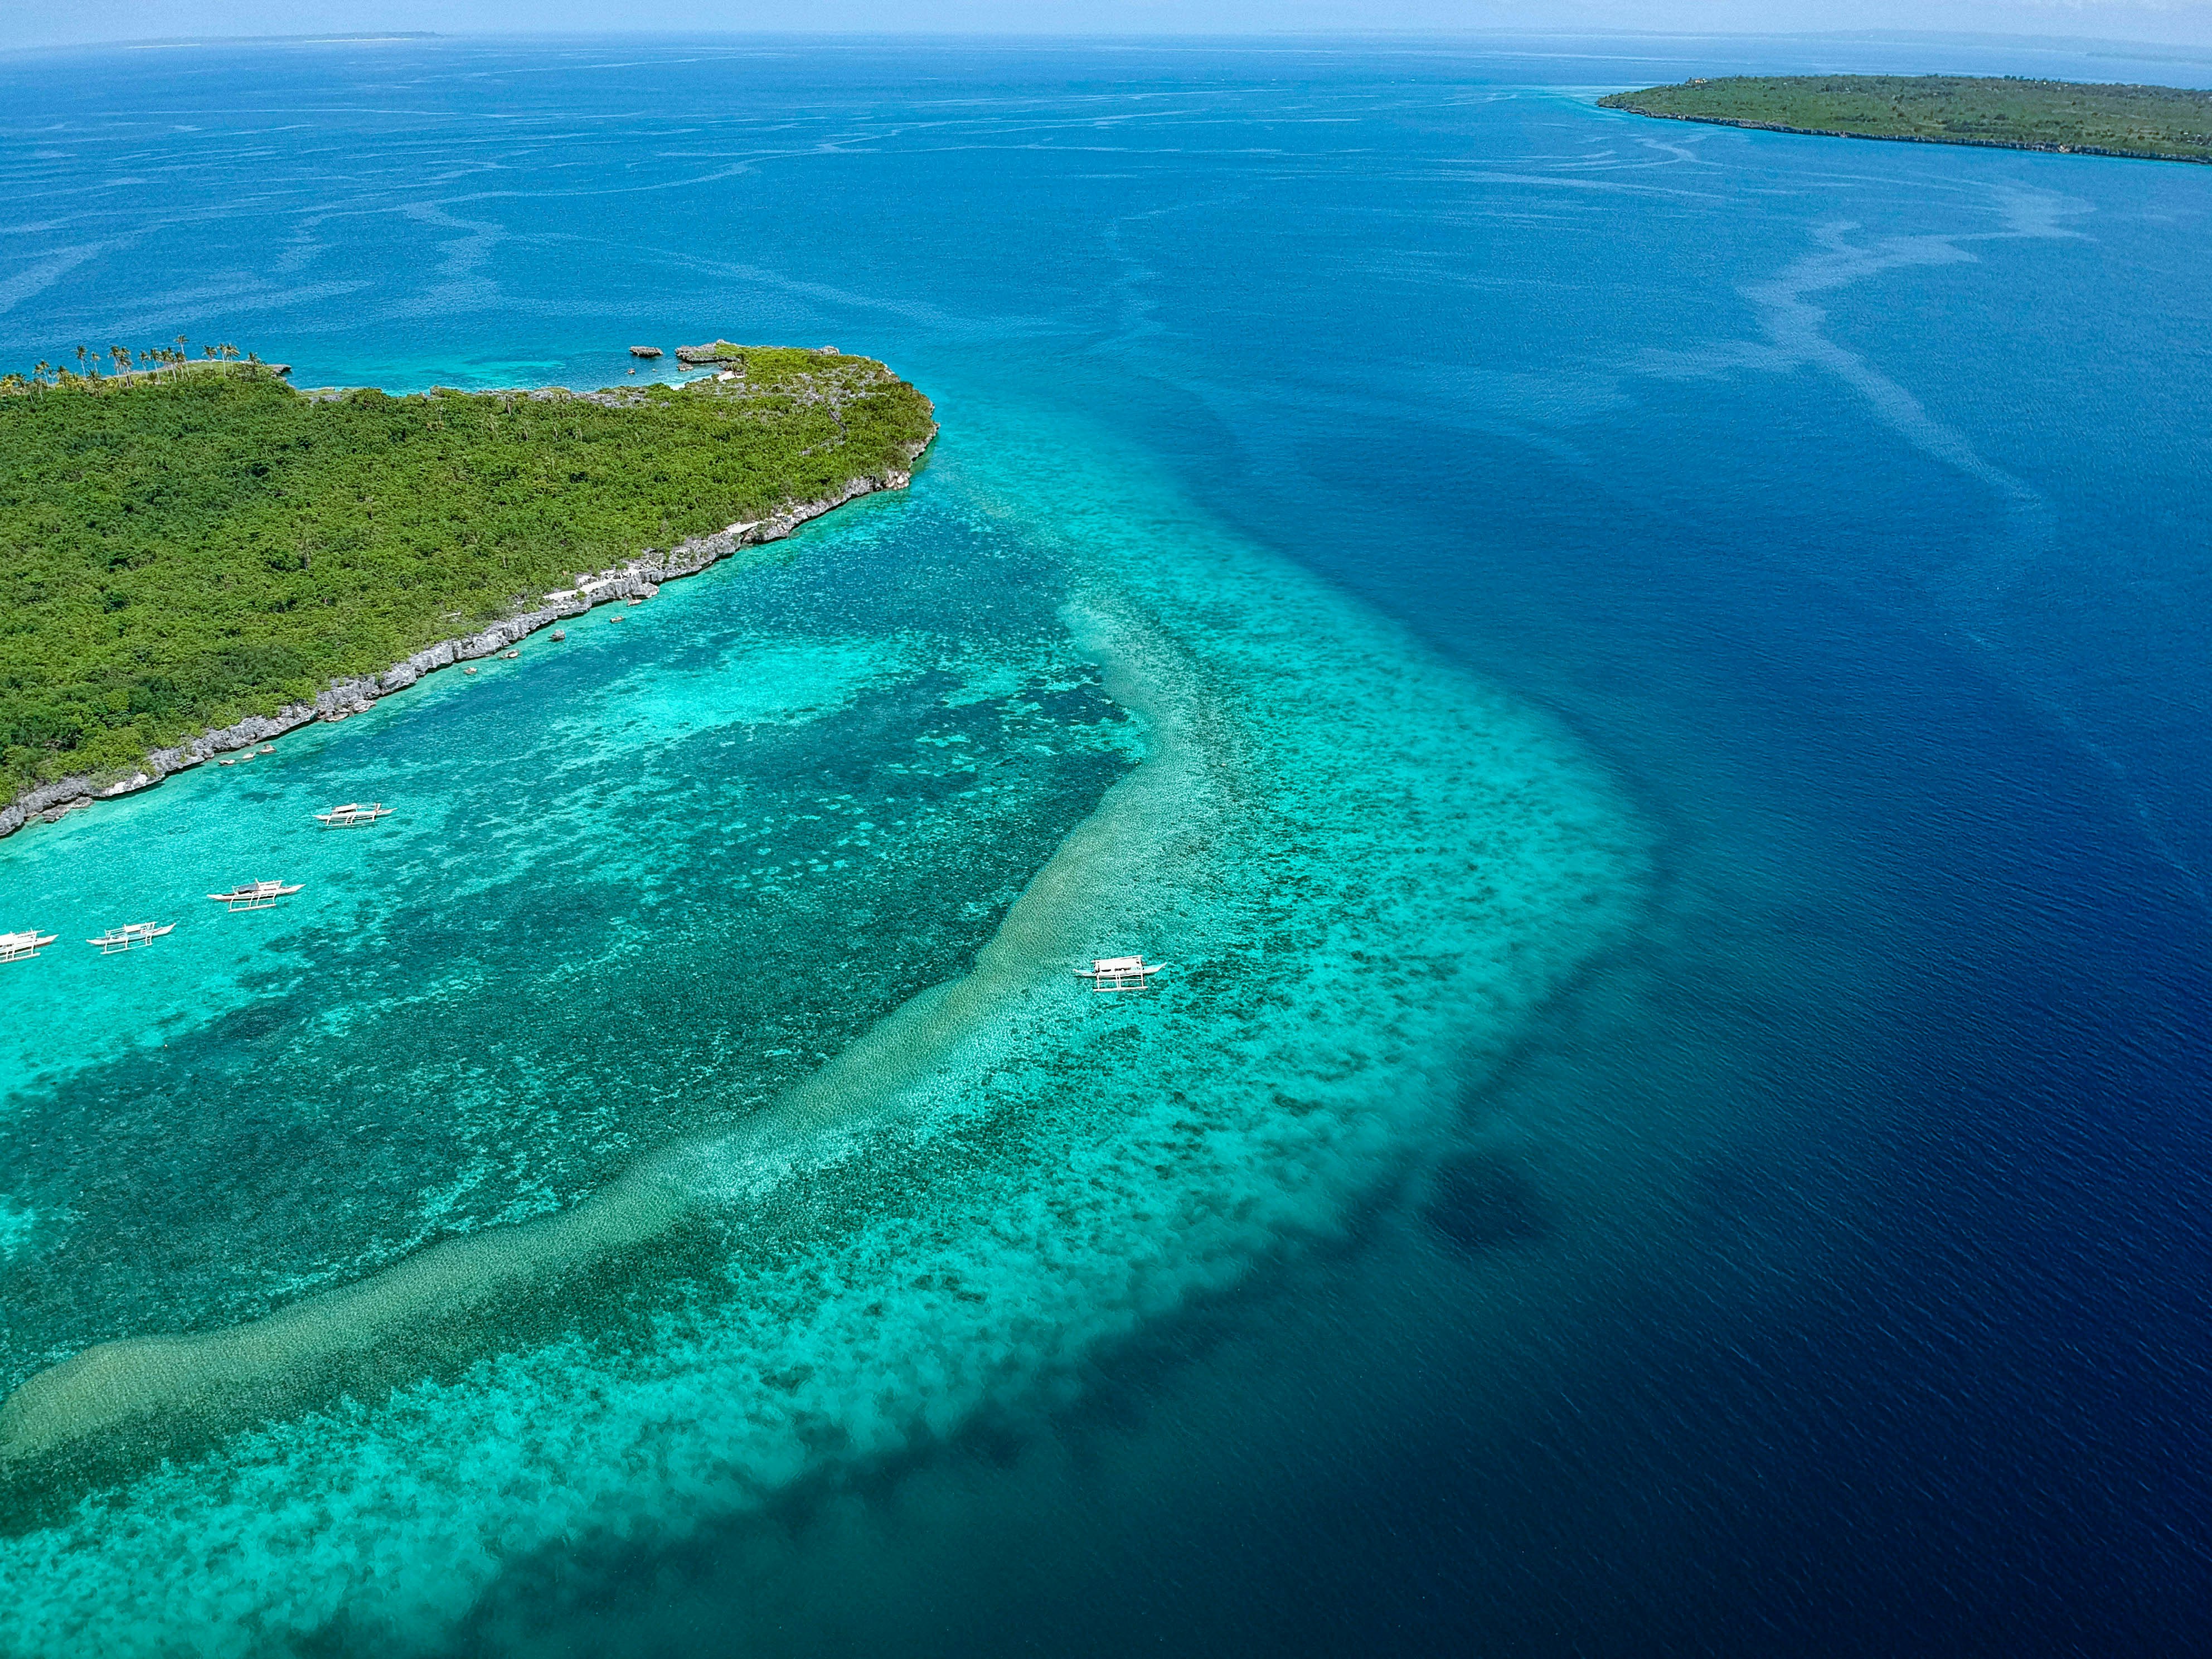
point(183, 546)
point(2173, 123)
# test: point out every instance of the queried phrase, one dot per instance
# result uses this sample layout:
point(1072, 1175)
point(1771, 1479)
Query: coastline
point(640, 578)
point(1903, 138)
point(1367, 869)
point(109, 1410)
point(1241, 788)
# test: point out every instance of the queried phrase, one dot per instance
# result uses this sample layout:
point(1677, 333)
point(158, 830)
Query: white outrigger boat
point(129, 937)
point(352, 812)
point(20, 947)
point(1120, 973)
point(255, 895)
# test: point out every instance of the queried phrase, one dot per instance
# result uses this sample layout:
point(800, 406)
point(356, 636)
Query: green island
point(2152, 123)
point(185, 545)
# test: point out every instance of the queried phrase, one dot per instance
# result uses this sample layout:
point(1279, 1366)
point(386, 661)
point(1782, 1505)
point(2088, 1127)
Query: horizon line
point(379, 37)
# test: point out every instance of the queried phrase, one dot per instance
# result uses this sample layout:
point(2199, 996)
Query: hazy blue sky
point(31, 23)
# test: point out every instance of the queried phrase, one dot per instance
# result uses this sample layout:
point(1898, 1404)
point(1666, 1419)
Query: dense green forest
point(181, 546)
point(2169, 123)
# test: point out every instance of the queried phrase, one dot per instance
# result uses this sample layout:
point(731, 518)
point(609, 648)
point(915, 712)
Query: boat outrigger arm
point(130, 935)
point(20, 947)
point(354, 811)
point(255, 895)
point(1120, 973)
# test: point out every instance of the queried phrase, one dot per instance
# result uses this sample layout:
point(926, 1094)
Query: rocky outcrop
point(640, 578)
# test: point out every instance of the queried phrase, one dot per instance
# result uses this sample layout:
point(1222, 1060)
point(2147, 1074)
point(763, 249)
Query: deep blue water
point(1828, 1272)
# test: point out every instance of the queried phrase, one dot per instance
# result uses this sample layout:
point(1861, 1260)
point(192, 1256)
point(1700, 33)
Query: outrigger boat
point(129, 937)
point(352, 812)
point(255, 895)
point(20, 947)
point(1120, 973)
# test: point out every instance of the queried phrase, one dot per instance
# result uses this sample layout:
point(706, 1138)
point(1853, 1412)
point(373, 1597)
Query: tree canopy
point(2162, 123)
point(181, 546)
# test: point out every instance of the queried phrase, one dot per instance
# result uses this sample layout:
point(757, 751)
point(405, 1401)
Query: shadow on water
point(1482, 1200)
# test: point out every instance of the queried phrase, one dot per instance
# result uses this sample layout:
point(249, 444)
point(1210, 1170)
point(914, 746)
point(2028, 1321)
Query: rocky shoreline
point(639, 578)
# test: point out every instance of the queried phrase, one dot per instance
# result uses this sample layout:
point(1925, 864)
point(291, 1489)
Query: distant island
point(195, 556)
point(2171, 124)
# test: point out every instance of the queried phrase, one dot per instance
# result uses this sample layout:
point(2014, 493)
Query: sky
point(31, 23)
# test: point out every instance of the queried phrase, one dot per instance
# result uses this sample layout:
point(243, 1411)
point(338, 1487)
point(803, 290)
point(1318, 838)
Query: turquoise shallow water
point(954, 1214)
point(1651, 699)
point(635, 884)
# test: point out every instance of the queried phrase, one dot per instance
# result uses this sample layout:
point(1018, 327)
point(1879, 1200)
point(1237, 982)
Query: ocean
point(1646, 680)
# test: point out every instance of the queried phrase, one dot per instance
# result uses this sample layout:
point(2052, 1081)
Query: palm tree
point(42, 367)
point(80, 360)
